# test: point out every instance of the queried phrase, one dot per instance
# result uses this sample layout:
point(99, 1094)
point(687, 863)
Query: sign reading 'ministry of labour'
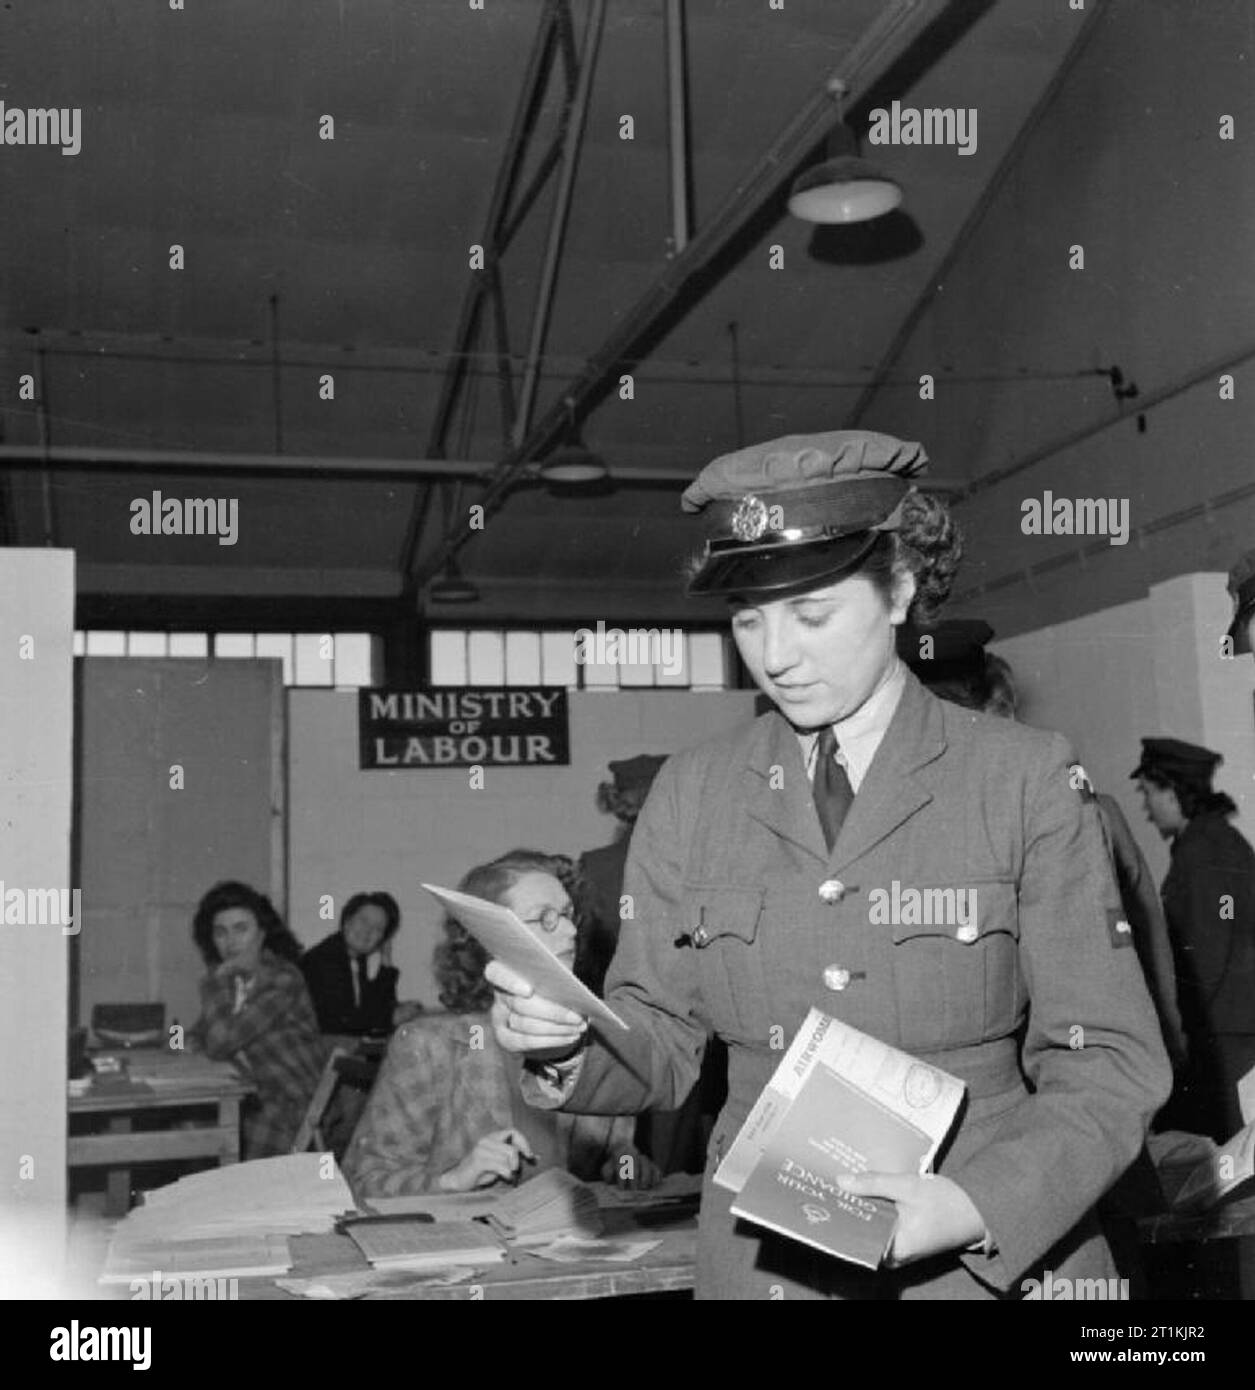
point(460, 726)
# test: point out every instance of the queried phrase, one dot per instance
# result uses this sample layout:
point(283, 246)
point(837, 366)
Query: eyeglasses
point(550, 917)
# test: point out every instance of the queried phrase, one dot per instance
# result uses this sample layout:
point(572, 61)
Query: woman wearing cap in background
point(1209, 900)
point(750, 872)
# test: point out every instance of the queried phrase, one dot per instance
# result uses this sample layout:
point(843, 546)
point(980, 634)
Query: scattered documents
point(551, 1204)
point(839, 1103)
point(243, 1256)
point(574, 1250)
point(373, 1283)
point(506, 938)
point(426, 1245)
point(440, 1206)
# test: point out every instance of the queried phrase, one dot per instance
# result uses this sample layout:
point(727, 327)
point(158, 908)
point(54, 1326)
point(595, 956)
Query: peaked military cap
point(1242, 587)
point(1175, 761)
point(958, 648)
point(639, 771)
point(799, 510)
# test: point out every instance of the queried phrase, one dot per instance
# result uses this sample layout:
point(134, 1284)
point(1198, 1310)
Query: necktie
point(831, 787)
point(359, 980)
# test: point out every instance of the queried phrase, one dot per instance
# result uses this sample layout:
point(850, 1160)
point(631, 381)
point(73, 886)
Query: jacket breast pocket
point(721, 927)
point(956, 965)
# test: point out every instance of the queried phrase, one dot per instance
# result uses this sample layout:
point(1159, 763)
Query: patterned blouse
point(269, 1031)
point(444, 1085)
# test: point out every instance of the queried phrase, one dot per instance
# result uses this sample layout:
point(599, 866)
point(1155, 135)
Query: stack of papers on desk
point(288, 1195)
point(237, 1215)
point(216, 1257)
point(421, 1245)
point(552, 1204)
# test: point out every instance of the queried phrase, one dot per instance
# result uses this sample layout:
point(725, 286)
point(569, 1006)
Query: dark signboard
point(464, 726)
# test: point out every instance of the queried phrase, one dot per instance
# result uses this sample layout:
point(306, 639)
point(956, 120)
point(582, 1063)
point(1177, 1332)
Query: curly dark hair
point(989, 688)
point(927, 544)
point(380, 899)
point(1193, 799)
point(624, 803)
point(459, 960)
point(276, 938)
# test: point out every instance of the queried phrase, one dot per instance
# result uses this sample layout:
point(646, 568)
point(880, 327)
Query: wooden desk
point(667, 1268)
point(162, 1081)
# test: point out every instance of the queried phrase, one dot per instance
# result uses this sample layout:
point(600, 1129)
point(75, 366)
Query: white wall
point(352, 831)
point(1144, 669)
point(36, 768)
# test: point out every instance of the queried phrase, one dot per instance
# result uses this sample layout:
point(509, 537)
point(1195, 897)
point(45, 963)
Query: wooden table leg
point(229, 1120)
point(118, 1180)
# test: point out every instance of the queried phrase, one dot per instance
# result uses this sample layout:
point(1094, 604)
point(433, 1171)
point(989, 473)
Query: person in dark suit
point(752, 869)
point(350, 974)
point(1209, 900)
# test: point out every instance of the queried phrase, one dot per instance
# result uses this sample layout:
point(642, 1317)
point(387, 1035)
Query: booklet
point(419, 1245)
point(841, 1102)
point(550, 1205)
point(503, 936)
point(1220, 1174)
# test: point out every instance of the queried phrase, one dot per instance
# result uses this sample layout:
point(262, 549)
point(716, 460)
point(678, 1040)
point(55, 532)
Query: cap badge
point(749, 521)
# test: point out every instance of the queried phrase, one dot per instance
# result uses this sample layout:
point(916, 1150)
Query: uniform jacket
point(1044, 1014)
point(443, 1086)
point(1215, 953)
point(601, 884)
point(329, 975)
point(274, 1040)
point(1145, 913)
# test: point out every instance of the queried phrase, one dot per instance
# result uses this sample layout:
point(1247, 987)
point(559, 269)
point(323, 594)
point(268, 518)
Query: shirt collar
point(859, 735)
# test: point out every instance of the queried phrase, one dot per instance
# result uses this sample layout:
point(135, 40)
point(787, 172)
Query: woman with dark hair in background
point(350, 973)
point(256, 1012)
point(751, 871)
point(445, 1114)
point(1209, 900)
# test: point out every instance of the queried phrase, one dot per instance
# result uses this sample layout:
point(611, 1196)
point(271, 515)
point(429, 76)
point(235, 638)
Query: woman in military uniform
point(754, 862)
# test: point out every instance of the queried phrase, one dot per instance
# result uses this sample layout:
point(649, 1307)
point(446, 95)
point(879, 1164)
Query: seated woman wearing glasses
point(446, 1114)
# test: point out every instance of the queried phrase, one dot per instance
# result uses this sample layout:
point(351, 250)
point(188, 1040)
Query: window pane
point(146, 644)
point(355, 659)
point(448, 657)
point(233, 644)
point(277, 644)
point(557, 659)
point(522, 658)
point(80, 644)
point(486, 658)
point(189, 644)
point(106, 644)
point(706, 656)
point(675, 655)
point(314, 658)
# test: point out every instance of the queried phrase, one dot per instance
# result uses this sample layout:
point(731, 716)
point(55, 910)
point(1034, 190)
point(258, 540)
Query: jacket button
point(832, 890)
point(967, 934)
point(836, 977)
point(701, 937)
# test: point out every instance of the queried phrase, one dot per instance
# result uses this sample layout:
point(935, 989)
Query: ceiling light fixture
point(845, 187)
point(452, 588)
point(572, 462)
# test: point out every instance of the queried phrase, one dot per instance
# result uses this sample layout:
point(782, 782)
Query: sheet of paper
point(577, 1250)
point(1228, 1168)
point(502, 935)
point(369, 1283)
point(925, 1096)
point(1246, 1097)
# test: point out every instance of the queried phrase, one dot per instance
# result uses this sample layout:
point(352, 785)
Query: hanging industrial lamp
point(573, 462)
point(451, 587)
point(845, 187)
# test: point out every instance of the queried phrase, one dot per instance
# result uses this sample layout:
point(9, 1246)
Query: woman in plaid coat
point(256, 1012)
point(445, 1114)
